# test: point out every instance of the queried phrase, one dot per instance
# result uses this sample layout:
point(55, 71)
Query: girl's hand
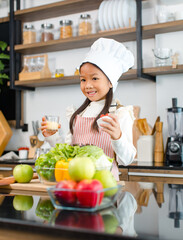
point(113, 128)
point(44, 128)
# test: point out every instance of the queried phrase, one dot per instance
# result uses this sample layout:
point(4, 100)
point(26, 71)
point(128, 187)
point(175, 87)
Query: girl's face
point(93, 82)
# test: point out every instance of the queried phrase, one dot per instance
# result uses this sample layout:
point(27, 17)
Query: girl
point(99, 74)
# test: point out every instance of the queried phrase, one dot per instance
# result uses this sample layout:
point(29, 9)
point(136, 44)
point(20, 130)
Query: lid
point(174, 108)
point(28, 26)
point(65, 22)
point(85, 16)
point(47, 25)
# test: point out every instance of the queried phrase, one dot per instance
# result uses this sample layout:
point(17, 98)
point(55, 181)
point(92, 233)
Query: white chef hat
point(111, 57)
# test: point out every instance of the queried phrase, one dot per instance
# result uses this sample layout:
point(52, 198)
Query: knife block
point(34, 144)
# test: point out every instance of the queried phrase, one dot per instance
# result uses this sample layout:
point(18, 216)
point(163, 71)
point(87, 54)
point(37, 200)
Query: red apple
point(80, 220)
point(87, 194)
point(63, 196)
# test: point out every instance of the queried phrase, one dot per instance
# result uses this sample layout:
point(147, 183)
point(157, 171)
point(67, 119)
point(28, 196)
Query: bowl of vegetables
point(53, 166)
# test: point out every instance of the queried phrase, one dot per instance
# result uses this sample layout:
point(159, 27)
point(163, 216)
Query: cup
point(52, 122)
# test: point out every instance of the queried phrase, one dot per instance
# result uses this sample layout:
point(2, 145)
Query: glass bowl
point(51, 176)
point(83, 200)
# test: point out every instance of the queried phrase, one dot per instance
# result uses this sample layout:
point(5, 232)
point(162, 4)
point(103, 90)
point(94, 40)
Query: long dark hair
point(105, 110)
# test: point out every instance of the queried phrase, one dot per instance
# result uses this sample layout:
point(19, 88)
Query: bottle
point(47, 32)
point(145, 148)
point(159, 148)
point(85, 24)
point(29, 34)
point(65, 28)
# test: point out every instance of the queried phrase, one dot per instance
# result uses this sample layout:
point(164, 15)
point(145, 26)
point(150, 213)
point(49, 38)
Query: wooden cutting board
point(34, 186)
point(5, 133)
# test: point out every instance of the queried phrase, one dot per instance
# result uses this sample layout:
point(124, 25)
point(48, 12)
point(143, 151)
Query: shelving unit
point(69, 80)
point(64, 8)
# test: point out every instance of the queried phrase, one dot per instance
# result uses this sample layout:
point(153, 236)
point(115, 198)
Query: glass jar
point(85, 24)
point(65, 28)
point(59, 72)
point(29, 34)
point(47, 32)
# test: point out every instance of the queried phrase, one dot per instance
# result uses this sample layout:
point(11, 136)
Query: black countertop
point(142, 212)
point(153, 165)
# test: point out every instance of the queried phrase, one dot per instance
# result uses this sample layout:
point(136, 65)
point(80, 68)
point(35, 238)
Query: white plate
point(100, 16)
point(114, 13)
point(129, 11)
point(120, 13)
point(105, 16)
point(110, 14)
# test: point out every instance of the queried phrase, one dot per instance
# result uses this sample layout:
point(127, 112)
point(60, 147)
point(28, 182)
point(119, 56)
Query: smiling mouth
point(90, 94)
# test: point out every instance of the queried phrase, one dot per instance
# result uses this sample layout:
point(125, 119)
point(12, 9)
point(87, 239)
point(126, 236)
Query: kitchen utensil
point(154, 127)
point(10, 180)
point(159, 148)
point(162, 56)
point(144, 197)
point(174, 146)
point(110, 16)
point(129, 13)
point(105, 16)
point(34, 144)
point(143, 126)
point(114, 13)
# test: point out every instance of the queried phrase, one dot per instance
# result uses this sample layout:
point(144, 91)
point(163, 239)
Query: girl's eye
point(82, 80)
point(95, 78)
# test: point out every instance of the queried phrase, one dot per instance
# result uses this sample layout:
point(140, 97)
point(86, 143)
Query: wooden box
point(44, 73)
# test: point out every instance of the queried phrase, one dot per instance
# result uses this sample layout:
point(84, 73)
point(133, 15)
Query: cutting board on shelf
point(5, 133)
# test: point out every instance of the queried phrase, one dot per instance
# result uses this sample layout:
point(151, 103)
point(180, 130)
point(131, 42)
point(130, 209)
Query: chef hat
point(111, 57)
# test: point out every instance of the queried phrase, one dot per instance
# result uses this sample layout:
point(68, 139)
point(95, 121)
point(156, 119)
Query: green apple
point(110, 223)
point(22, 203)
point(23, 173)
point(81, 168)
point(107, 180)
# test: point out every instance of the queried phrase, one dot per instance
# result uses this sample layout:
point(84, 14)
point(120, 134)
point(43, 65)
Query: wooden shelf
point(125, 34)
point(56, 9)
point(4, 19)
point(69, 80)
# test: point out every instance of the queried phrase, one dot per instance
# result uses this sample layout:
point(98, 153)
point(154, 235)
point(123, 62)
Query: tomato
point(87, 193)
point(103, 115)
point(63, 196)
point(61, 170)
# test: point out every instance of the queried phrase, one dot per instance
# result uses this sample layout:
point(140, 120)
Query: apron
point(83, 134)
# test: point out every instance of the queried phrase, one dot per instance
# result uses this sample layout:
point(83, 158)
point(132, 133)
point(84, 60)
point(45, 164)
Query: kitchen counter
point(151, 171)
point(143, 211)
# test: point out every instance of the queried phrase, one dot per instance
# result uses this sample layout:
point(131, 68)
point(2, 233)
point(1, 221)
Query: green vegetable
point(45, 163)
point(44, 209)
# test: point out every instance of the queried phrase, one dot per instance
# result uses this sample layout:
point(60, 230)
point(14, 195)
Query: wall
point(153, 98)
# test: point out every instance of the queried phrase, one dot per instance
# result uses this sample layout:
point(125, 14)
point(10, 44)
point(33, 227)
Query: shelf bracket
point(140, 73)
point(15, 68)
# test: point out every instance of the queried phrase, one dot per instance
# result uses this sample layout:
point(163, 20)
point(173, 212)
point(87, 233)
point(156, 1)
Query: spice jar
point(85, 25)
point(65, 28)
point(29, 34)
point(47, 32)
point(59, 73)
point(76, 71)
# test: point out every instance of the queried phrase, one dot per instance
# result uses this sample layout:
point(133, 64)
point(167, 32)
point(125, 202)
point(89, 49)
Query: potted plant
point(3, 59)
